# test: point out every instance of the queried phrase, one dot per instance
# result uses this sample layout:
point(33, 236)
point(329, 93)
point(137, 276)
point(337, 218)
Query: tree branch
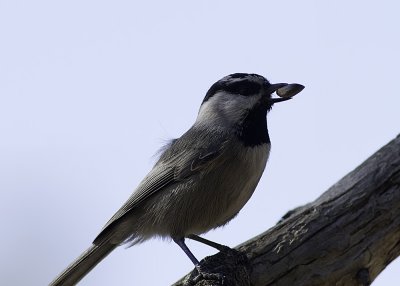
point(345, 237)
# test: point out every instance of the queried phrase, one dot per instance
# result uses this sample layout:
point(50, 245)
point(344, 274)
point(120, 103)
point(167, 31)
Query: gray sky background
point(91, 89)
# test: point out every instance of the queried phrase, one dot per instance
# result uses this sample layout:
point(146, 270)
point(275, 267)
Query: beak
point(285, 91)
point(279, 99)
point(274, 87)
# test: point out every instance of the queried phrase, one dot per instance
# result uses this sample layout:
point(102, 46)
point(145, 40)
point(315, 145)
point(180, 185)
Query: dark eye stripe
point(244, 87)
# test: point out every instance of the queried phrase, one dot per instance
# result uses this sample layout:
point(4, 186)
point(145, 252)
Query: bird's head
point(237, 98)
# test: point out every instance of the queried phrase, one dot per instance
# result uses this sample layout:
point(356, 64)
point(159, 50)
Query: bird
point(202, 179)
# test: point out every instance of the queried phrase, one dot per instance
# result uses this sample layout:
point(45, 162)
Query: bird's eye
point(235, 84)
point(243, 87)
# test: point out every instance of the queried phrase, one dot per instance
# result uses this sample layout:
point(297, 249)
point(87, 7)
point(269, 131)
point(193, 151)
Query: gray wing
point(171, 168)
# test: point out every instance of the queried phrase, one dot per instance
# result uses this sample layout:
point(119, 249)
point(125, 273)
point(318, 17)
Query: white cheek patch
point(225, 108)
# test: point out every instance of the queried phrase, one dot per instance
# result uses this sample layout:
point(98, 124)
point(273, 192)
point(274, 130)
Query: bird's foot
point(204, 274)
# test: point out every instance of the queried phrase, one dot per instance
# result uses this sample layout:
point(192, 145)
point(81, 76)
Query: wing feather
point(158, 178)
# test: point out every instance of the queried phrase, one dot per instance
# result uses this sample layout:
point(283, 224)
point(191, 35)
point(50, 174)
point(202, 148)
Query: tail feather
point(83, 264)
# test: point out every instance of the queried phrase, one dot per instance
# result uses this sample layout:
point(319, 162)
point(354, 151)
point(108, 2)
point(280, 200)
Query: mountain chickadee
point(202, 179)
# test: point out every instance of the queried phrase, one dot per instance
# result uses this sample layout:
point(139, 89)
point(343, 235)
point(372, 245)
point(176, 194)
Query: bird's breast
point(234, 182)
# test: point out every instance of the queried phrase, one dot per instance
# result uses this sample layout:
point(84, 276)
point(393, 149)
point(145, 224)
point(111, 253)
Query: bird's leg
point(213, 244)
point(183, 246)
point(203, 272)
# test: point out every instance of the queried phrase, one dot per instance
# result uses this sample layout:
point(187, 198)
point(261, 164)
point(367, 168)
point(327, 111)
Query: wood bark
point(345, 237)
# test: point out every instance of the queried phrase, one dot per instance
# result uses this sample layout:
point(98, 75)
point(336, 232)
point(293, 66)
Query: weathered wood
point(345, 237)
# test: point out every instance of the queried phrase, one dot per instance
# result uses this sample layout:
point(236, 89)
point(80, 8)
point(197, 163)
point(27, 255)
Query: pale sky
point(89, 90)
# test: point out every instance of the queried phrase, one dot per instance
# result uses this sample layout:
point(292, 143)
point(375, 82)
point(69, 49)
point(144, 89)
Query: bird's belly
point(234, 184)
